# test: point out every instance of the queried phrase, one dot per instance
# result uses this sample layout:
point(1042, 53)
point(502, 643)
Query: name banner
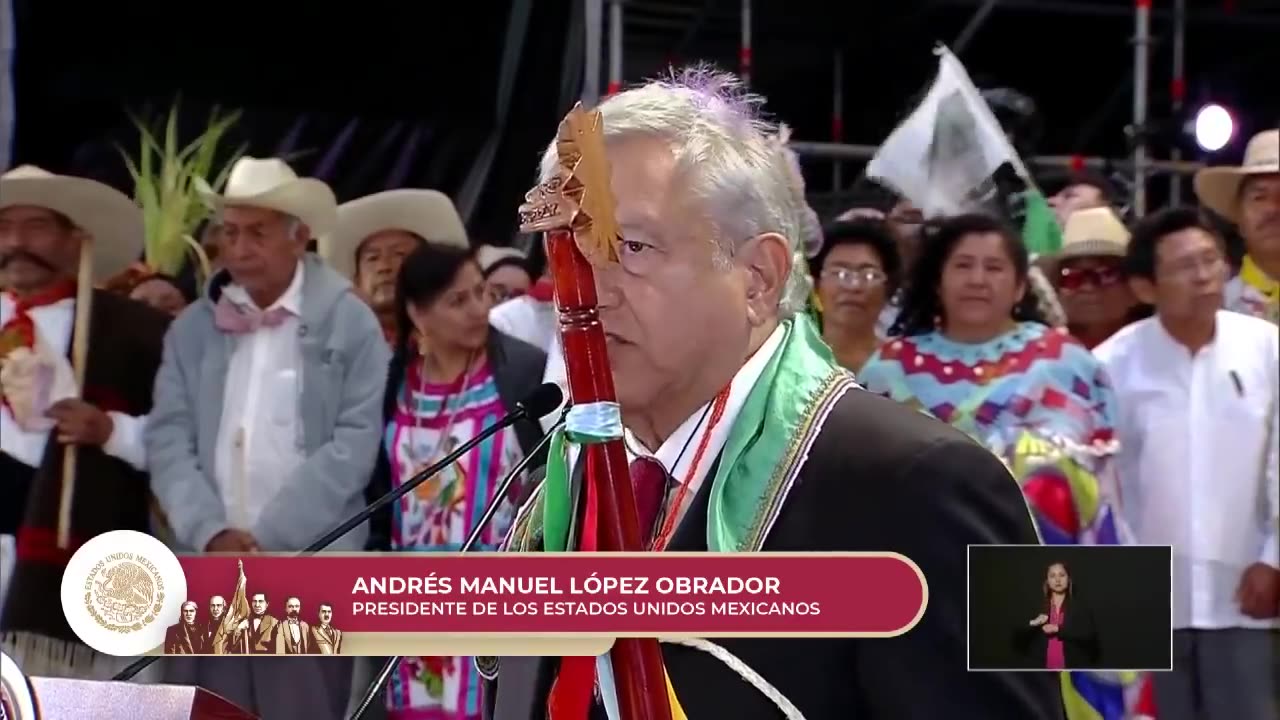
point(515, 603)
point(125, 593)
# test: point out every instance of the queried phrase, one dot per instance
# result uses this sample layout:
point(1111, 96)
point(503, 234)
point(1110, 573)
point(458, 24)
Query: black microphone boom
point(384, 673)
point(542, 401)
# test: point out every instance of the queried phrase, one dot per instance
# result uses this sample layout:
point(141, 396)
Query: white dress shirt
point(674, 455)
point(1198, 463)
point(54, 323)
point(258, 444)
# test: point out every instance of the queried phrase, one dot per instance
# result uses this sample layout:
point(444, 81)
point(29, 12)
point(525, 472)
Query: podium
point(62, 699)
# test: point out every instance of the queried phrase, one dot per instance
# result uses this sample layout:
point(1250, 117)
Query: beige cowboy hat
point(429, 214)
point(106, 214)
point(1093, 232)
point(271, 184)
point(1219, 187)
point(489, 255)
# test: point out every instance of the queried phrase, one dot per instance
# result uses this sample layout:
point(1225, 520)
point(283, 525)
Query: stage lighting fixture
point(1213, 127)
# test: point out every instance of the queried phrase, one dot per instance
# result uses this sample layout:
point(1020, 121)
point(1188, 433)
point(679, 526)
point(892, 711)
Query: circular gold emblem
point(124, 592)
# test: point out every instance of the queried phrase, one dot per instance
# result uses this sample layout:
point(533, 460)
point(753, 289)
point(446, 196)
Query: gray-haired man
point(268, 414)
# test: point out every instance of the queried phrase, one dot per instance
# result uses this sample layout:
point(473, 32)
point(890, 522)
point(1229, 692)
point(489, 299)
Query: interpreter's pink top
point(1055, 660)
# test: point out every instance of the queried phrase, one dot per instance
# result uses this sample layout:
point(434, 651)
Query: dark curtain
point(367, 96)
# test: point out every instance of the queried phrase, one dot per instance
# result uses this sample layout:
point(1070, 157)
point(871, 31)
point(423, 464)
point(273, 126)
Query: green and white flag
point(944, 156)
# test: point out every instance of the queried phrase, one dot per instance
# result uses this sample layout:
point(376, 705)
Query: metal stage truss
point(1138, 165)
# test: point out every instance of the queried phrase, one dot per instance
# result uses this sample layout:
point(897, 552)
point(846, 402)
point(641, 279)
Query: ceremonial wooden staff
point(79, 359)
point(575, 210)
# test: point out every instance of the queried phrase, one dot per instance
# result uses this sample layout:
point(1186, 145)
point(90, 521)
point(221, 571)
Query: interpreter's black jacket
point(1078, 632)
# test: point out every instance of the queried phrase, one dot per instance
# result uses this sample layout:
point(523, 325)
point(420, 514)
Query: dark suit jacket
point(879, 477)
point(183, 640)
point(517, 371)
point(1078, 632)
point(126, 339)
point(284, 639)
point(263, 640)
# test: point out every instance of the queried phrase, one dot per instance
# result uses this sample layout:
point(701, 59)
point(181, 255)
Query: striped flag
point(237, 611)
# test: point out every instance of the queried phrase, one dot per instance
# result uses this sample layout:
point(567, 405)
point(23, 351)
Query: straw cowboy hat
point(273, 185)
point(107, 215)
point(1093, 232)
point(429, 214)
point(1219, 187)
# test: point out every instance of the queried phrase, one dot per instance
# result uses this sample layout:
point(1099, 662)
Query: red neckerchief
point(20, 330)
point(543, 291)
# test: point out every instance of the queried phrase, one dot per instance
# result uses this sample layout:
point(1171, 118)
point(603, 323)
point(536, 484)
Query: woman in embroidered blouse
point(971, 349)
point(1063, 635)
point(451, 376)
point(857, 272)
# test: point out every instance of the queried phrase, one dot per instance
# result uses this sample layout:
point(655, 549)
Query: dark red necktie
point(650, 482)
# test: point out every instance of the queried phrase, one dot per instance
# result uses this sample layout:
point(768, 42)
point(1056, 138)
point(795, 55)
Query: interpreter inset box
point(1070, 607)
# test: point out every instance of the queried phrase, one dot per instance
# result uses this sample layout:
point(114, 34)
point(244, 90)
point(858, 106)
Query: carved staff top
point(574, 207)
point(578, 196)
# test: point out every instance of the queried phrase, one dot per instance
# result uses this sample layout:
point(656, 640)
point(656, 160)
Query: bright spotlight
point(1213, 128)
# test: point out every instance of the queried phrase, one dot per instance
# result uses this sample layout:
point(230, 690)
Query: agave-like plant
point(166, 178)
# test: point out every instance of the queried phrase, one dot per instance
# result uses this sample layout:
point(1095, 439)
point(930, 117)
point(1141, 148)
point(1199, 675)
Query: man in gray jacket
point(267, 416)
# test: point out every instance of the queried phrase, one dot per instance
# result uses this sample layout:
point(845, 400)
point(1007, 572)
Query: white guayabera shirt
point(1199, 460)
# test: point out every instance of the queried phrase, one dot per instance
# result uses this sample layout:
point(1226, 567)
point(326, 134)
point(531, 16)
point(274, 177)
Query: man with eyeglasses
point(1198, 425)
point(1088, 273)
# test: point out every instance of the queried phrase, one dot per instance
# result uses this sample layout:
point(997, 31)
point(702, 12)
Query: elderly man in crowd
point(49, 226)
point(708, 347)
point(1088, 274)
point(1197, 389)
point(1249, 196)
point(375, 233)
point(244, 457)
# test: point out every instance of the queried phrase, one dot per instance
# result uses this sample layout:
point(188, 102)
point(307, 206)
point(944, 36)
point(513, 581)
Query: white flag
point(943, 156)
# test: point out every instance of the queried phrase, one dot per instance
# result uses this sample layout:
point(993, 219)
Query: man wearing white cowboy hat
point(375, 233)
point(1088, 274)
point(53, 227)
point(268, 414)
point(1249, 196)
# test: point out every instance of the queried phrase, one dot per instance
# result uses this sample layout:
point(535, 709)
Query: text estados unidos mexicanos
point(593, 584)
point(552, 608)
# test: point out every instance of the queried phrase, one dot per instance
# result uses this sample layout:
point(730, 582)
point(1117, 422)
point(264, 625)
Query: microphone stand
point(420, 477)
point(384, 674)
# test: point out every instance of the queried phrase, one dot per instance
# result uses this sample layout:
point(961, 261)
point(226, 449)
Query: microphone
point(384, 674)
point(543, 400)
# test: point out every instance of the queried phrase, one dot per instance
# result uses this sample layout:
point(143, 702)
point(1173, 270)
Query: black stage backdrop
point(370, 96)
point(1126, 587)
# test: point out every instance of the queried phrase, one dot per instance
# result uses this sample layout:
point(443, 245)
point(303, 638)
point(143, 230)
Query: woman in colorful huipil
point(451, 377)
point(970, 348)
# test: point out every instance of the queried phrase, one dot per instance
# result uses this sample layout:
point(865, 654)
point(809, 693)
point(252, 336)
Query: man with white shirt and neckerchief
point(1198, 427)
point(268, 414)
point(49, 225)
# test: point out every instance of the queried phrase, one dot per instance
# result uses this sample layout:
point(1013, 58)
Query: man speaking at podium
point(764, 443)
